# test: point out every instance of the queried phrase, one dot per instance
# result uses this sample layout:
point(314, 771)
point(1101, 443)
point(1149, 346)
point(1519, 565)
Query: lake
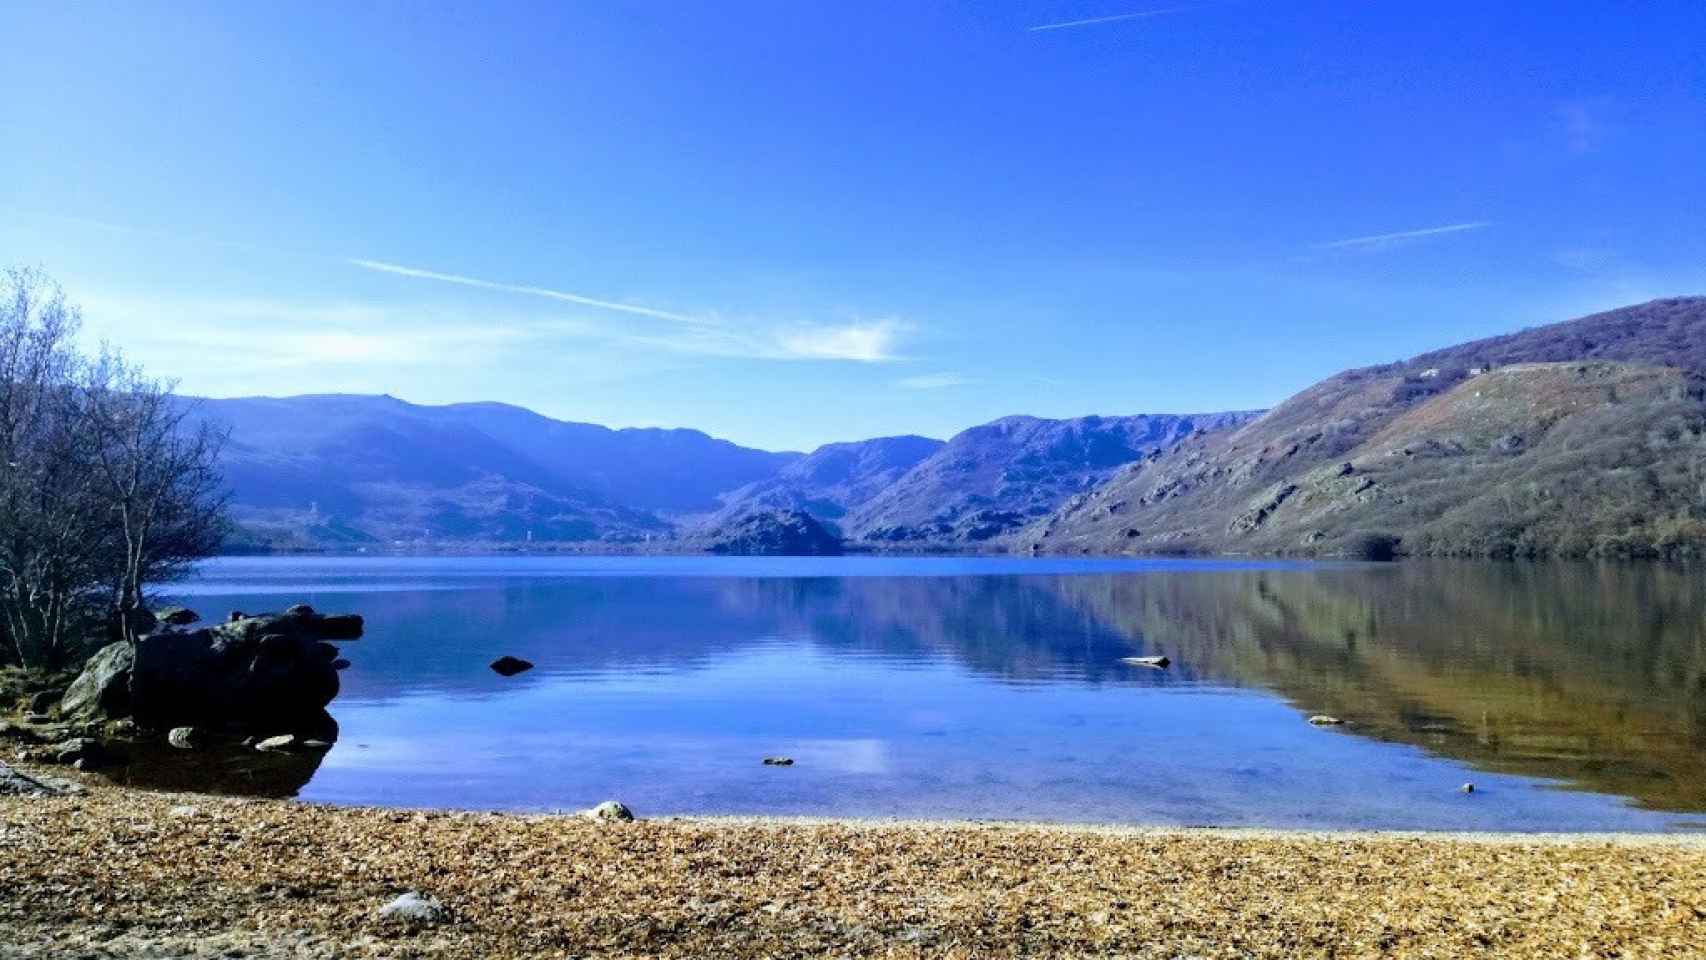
point(1572, 696)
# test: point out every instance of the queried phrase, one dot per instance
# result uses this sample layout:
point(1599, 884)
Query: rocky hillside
point(990, 480)
point(834, 478)
point(1577, 439)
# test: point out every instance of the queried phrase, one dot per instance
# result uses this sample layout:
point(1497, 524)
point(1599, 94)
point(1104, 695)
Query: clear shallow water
point(1572, 696)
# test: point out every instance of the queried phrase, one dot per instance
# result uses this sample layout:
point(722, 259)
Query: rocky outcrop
point(271, 673)
point(771, 533)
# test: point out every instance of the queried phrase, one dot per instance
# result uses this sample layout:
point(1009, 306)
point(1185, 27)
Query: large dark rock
point(268, 673)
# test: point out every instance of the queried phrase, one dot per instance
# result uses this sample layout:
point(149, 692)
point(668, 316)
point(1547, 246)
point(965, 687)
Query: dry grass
point(116, 873)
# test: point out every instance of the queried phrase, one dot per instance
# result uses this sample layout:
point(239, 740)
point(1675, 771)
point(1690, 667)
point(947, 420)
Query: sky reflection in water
point(992, 688)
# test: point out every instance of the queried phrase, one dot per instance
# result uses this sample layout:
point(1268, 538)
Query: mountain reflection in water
point(1584, 674)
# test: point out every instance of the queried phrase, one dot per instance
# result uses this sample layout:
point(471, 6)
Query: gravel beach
point(123, 873)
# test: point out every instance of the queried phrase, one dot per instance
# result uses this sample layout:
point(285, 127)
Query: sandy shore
point(118, 873)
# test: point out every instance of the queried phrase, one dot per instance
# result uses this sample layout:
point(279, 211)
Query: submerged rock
point(508, 666)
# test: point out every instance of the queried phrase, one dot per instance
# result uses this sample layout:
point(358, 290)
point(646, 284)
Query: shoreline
point(116, 872)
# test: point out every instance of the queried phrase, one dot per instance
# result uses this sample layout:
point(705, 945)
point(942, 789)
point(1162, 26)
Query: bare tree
point(50, 530)
point(159, 476)
point(105, 485)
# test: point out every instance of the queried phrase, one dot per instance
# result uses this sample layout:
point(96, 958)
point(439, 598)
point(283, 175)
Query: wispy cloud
point(933, 381)
point(873, 341)
point(561, 296)
point(1387, 239)
point(870, 342)
point(298, 333)
point(1116, 18)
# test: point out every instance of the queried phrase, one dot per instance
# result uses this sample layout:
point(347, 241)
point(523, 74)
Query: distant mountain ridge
point(352, 470)
point(1582, 438)
point(343, 469)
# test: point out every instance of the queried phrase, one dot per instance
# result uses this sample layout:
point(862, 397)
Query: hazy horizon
point(788, 225)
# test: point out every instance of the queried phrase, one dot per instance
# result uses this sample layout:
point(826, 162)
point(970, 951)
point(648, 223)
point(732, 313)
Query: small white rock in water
point(1466, 788)
point(284, 742)
point(1159, 663)
point(184, 738)
point(1322, 720)
point(413, 907)
point(609, 810)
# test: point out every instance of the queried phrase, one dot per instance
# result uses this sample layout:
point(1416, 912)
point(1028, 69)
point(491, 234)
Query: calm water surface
point(1574, 697)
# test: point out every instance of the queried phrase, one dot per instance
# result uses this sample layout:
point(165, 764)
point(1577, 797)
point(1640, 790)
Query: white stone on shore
point(413, 907)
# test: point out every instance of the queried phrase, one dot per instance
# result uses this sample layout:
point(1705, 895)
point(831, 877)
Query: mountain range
point(1578, 438)
point(341, 470)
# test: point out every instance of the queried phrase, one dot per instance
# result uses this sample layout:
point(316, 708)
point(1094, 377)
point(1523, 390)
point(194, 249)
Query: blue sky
point(794, 222)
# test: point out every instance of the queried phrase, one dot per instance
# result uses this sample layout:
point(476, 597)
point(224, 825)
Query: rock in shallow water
point(265, 673)
point(508, 666)
point(184, 738)
point(778, 761)
point(279, 743)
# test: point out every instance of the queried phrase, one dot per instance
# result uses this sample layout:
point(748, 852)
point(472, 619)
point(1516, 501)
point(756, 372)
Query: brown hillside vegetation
point(1471, 451)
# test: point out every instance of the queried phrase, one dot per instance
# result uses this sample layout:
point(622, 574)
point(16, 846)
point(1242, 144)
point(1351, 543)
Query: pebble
point(413, 907)
point(609, 810)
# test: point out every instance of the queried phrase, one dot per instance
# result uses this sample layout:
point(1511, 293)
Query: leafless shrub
point(103, 487)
